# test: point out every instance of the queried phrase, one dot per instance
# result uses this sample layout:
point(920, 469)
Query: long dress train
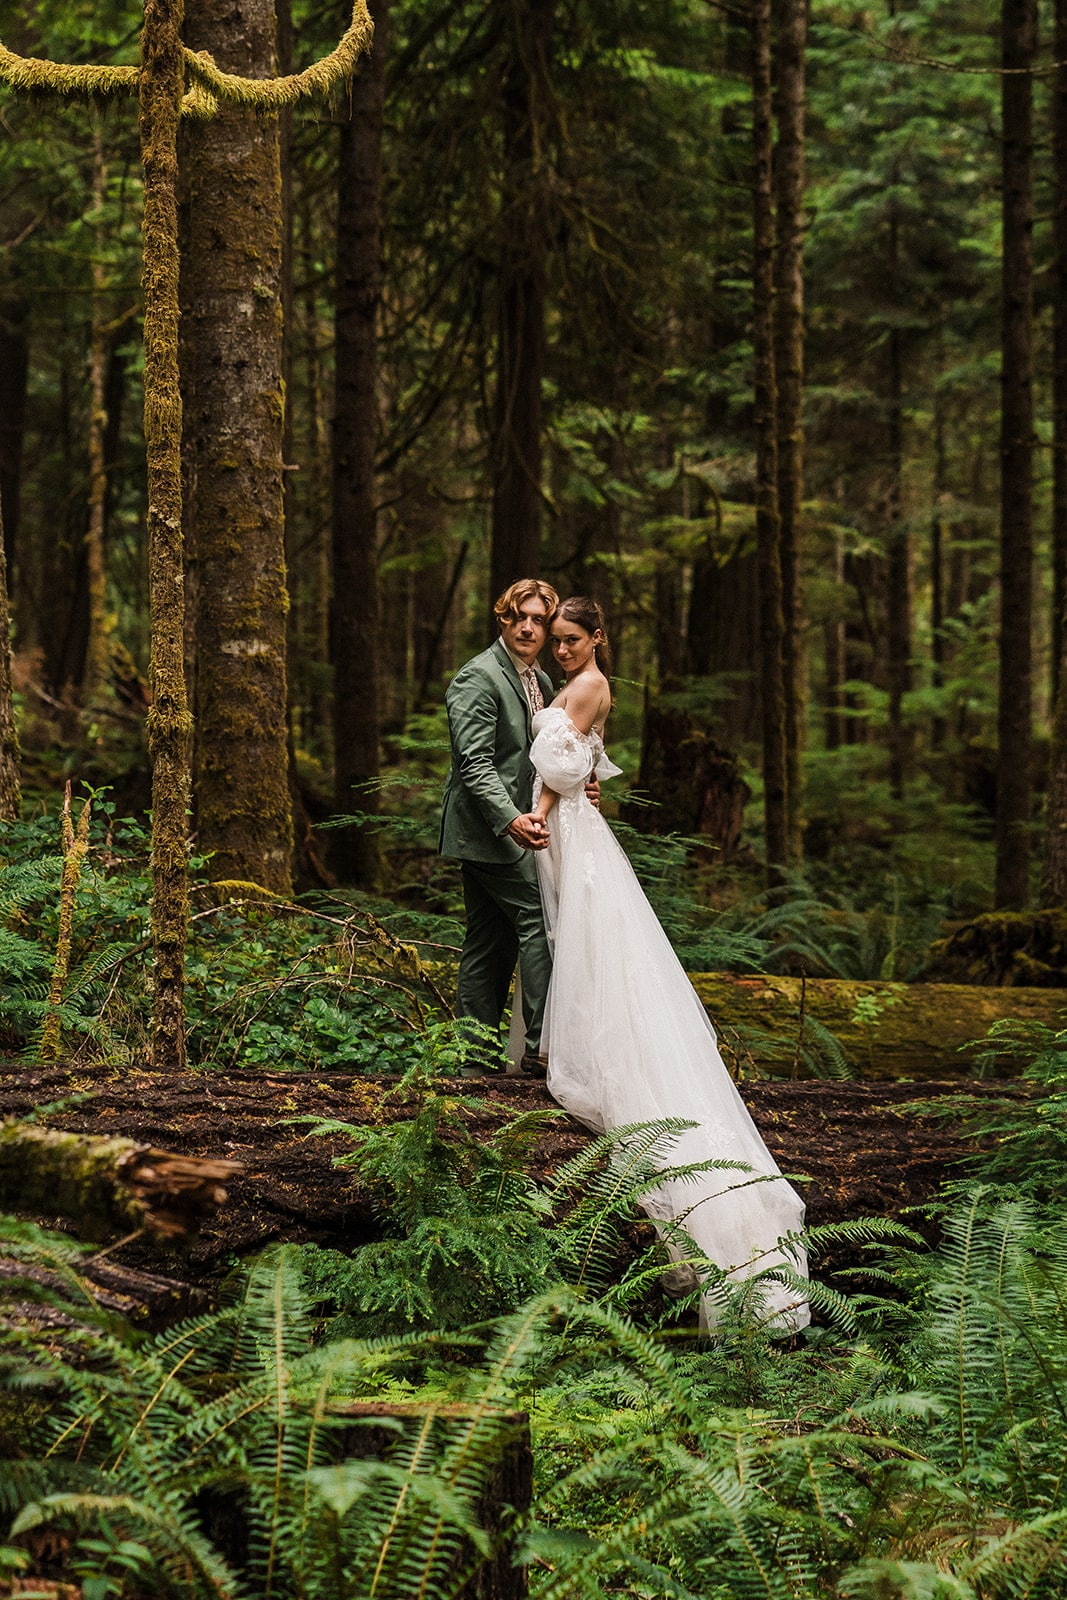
point(628, 1040)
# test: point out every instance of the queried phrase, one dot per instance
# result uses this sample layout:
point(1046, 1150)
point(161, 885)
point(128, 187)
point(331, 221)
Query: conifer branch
point(33, 74)
point(274, 94)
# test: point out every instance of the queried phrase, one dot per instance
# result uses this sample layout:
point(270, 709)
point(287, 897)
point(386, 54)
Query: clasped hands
point(531, 831)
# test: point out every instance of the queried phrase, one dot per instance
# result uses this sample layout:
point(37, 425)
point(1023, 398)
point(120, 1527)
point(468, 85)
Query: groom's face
point(525, 633)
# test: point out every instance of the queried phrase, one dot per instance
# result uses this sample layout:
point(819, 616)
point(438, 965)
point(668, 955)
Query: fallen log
point(109, 1184)
point(884, 1030)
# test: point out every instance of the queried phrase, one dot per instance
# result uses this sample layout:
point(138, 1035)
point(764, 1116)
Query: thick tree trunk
point(354, 618)
point(885, 1030)
point(1059, 347)
point(835, 730)
point(169, 726)
point(231, 368)
point(939, 727)
point(1018, 39)
point(1054, 875)
point(515, 533)
point(772, 627)
point(313, 481)
point(14, 377)
point(899, 576)
point(10, 780)
point(791, 37)
point(95, 672)
point(723, 638)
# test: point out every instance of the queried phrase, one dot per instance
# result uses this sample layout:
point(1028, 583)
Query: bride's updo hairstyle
point(589, 614)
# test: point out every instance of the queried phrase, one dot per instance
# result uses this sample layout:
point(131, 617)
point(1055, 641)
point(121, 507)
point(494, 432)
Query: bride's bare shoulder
point(587, 700)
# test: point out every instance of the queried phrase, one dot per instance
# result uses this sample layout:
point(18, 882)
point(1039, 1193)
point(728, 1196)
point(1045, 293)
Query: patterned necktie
point(533, 691)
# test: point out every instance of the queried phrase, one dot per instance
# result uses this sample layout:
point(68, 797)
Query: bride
point(626, 1037)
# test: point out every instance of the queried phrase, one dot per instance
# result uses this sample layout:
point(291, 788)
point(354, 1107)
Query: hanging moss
point(275, 94)
point(33, 75)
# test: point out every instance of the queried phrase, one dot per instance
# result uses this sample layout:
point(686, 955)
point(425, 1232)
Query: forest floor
point(862, 1149)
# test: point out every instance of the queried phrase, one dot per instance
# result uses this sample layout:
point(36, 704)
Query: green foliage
point(217, 1459)
point(468, 1234)
point(319, 983)
point(1021, 1137)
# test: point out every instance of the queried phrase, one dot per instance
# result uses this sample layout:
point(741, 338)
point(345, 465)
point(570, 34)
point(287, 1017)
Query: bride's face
point(572, 645)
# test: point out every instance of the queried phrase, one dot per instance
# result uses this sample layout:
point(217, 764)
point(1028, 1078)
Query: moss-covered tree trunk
point(233, 415)
point(791, 45)
point(10, 780)
point(354, 645)
point(515, 533)
point(1054, 873)
point(772, 627)
point(1059, 344)
point(1018, 38)
point(95, 671)
point(168, 720)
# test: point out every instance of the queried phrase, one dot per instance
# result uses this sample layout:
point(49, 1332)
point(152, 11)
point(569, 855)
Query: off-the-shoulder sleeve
point(563, 756)
point(606, 769)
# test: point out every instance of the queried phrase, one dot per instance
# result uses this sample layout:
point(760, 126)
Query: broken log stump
point(106, 1184)
point(885, 1030)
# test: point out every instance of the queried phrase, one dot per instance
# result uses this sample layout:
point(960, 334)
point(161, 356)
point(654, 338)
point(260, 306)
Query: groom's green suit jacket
point(491, 779)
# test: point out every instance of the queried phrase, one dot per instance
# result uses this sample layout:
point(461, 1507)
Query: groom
point(486, 820)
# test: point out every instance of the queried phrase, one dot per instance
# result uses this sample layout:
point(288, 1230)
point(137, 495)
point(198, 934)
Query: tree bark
point(791, 45)
point(834, 721)
point(234, 406)
point(772, 627)
point(1059, 346)
point(1018, 42)
point(169, 725)
point(1054, 874)
point(10, 779)
point(95, 671)
point(899, 577)
point(354, 615)
point(14, 378)
point(515, 532)
point(939, 726)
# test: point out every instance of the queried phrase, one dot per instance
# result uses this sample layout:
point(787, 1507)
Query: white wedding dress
point(628, 1040)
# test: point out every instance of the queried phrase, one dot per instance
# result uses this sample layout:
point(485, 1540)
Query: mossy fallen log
point(107, 1185)
point(883, 1030)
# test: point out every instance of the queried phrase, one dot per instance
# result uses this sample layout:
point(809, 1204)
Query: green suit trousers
point(505, 921)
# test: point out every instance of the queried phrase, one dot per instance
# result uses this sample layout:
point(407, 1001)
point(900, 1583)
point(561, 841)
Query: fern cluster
point(911, 1448)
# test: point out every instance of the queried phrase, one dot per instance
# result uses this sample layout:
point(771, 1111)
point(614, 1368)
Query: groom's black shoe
point(534, 1066)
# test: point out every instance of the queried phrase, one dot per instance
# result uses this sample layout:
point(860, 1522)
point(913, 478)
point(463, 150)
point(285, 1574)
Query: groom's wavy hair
point(589, 614)
point(518, 593)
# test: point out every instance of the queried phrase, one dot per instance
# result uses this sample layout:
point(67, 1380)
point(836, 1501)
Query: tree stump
point(693, 786)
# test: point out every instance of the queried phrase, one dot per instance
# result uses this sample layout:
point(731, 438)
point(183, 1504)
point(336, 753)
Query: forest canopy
point(319, 326)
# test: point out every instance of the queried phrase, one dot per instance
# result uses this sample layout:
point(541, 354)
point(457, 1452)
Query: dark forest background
point(748, 320)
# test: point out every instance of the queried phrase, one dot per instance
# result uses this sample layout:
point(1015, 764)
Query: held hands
point(592, 790)
point(529, 831)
